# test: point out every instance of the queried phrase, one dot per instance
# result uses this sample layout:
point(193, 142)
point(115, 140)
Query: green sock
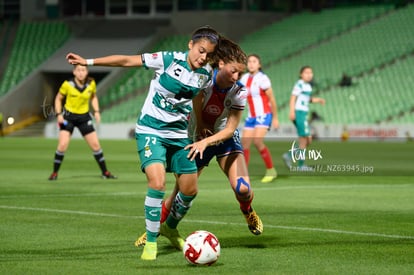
point(152, 206)
point(179, 208)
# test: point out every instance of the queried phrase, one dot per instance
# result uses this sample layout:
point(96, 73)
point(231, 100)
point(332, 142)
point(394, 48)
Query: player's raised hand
point(75, 59)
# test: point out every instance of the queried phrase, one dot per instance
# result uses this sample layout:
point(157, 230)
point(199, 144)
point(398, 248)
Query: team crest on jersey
point(148, 152)
point(227, 103)
point(200, 80)
point(213, 110)
point(154, 55)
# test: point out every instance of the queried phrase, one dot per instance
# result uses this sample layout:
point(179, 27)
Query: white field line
point(102, 194)
point(325, 230)
point(201, 190)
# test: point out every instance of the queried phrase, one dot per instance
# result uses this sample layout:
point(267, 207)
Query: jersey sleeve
point(93, 86)
point(155, 60)
point(265, 83)
point(207, 84)
point(297, 89)
point(240, 97)
point(64, 88)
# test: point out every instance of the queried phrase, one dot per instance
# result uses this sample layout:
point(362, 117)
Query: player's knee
point(62, 146)
point(242, 188)
point(156, 184)
point(95, 147)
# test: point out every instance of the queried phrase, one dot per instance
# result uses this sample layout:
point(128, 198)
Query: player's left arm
point(318, 100)
point(198, 101)
point(95, 107)
point(273, 107)
point(233, 121)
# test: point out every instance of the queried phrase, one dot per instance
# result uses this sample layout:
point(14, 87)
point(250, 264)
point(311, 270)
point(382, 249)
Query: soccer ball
point(201, 248)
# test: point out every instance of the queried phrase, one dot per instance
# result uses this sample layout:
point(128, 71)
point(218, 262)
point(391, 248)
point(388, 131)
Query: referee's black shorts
point(82, 121)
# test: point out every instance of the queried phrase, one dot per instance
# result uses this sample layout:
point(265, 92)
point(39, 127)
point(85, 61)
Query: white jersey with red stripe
point(257, 99)
point(217, 105)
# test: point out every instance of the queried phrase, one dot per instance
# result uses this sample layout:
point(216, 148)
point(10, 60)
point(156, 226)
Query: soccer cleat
point(108, 175)
point(53, 176)
point(287, 159)
point(270, 175)
point(173, 235)
point(150, 251)
point(141, 240)
point(253, 222)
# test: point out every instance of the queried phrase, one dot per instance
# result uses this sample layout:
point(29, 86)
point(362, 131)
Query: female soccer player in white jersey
point(298, 112)
point(161, 129)
point(213, 127)
point(262, 114)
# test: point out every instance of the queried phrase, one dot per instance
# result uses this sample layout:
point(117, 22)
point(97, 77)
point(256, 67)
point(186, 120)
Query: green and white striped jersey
point(168, 104)
point(303, 91)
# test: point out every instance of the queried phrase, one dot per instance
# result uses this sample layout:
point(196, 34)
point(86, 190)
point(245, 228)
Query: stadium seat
point(34, 42)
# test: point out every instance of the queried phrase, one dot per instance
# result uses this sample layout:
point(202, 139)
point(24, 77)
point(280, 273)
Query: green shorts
point(301, 123)
point(169, 152)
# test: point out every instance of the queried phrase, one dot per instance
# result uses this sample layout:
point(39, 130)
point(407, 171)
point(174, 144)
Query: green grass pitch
point(338, 220)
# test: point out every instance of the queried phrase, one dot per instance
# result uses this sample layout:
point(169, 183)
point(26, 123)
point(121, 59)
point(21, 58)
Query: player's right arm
point(59, 108)
point(292, 103)
point(198, 147)
point(318, 100)
point(109, 61)
point(273, 107)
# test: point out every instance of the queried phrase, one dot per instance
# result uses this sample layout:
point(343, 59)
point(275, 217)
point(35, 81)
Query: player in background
point(214, 120)
point(262, 114)
point(299, 110)
point(161, 129)
point(77, 93)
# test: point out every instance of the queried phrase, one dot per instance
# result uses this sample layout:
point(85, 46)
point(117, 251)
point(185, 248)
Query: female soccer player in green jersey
point(213, 127)
point(298, 113)
point(161, 129)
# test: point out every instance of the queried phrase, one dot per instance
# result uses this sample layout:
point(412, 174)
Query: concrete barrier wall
point(321, 131)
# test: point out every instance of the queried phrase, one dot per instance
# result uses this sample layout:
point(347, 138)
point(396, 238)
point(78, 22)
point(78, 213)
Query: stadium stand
point(125, 111)
point(359, 41)
point(297, 32)
point(380, 96)
point(364, 48)
point(406, 117)
point(34, 43)
point(127, 93)
point(372, 44)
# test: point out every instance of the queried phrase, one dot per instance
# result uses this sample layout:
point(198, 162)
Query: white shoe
point(287, 159)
